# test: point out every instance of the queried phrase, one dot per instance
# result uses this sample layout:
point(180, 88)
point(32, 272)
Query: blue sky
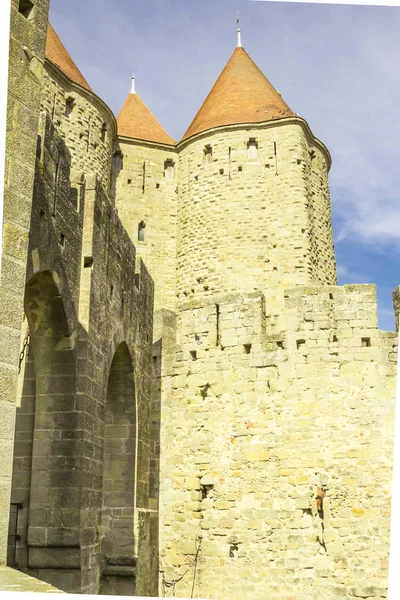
point(335, 65)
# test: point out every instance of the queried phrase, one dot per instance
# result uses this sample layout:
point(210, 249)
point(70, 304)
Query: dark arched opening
point(119, 486)
point(46, 469)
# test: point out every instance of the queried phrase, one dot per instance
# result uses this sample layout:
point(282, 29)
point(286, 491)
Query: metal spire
point(133, 85)
point(239, 42)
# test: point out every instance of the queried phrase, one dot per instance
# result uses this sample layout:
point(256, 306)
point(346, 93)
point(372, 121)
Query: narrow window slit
point(207, 154)
point(69, 106)
point(103, 132)
point(141, 228)
point(218, 340)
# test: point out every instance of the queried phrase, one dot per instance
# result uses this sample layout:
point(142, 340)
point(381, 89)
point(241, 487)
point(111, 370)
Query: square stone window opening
point(26, 8)
point(252, 149)
point(169, 169)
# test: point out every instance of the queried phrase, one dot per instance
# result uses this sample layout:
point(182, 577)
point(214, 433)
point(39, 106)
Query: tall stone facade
point(252, 442)
point(79, 515)
point(27, 48)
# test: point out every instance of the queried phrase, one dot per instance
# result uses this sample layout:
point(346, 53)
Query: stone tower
point(254, 208)
point(277, 389)
point(144, 186)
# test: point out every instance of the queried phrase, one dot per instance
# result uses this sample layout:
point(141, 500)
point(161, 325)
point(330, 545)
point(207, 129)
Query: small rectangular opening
point(221, 171)
point(366, 342)
point(69, 105)
point(300, 343)
point(247, 348)
point(87, 262)
point(207, 154)
point(280, 345)
point(205, 490)
point(240, 169)
point(129, 181)
point(141, 228)
point(103, 132)
point(62, 240)
point(26, 8)
point(193, 354)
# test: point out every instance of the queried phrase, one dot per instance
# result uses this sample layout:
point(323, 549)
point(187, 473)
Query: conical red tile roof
point(241, 94)
point(58, 55)
point(136, 121)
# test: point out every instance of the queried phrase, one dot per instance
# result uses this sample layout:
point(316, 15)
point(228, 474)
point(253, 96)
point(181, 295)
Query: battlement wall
point(89, 308)
point(253, 211)
point(277, 447)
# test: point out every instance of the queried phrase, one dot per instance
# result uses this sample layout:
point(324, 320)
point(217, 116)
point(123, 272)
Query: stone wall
point(88, 303)
point(145, 191)
point(253, 217)
point(396, 304)
point(27, 46)
point(277, 448)
point(90, 146)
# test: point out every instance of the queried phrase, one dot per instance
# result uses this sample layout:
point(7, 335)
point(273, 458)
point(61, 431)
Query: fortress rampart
point(282, 450)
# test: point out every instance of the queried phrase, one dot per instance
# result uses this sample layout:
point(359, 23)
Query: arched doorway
point(119, 481)
point(46, 470)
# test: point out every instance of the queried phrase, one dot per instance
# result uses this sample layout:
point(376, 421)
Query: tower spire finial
point(239, 40)
point(133, 85)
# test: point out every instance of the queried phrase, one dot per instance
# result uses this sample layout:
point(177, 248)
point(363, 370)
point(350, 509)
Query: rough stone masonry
point(249, 454)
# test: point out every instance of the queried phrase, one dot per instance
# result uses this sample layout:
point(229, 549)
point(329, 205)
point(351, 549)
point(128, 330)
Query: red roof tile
point(136, 121)
point(241, 94)
point(58, 55)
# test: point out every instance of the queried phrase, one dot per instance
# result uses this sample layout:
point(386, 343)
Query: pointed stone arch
point(119, 476)
point(49, 426)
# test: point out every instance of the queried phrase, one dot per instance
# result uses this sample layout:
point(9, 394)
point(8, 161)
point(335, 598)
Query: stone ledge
point(16, 581)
